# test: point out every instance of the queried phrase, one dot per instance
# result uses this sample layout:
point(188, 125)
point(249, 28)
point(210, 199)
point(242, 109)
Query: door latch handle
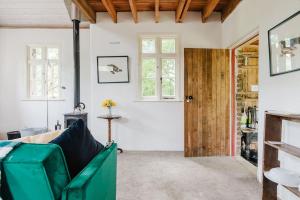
point(188, 98)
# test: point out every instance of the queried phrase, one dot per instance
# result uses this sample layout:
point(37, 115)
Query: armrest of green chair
point(97, 180)
point(36, 171)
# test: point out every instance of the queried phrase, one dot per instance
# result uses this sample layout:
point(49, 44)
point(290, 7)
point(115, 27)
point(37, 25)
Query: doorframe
point(233, 102)
point(233, 47)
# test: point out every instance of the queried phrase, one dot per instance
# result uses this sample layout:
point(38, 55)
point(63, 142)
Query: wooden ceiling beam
point(179, 10)
point(86, 10)
point(110, 9)
point(157, 11)
point(186, 8)
point(183, 7)
point(208, 9)
point(132, 4)
point(229, 8)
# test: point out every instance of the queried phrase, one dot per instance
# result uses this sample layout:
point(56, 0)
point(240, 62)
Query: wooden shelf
point(248, 67)
point(290, 149)
point(272, 141)
point(285, 116)
point(295, 191)
point(247, 92)
point(249, 55)
point(250, 99)
point(248, 52)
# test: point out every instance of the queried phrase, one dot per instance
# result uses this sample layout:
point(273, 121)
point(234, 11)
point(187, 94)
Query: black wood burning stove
point(79, 107)
point(72, 117)
point(249, 145)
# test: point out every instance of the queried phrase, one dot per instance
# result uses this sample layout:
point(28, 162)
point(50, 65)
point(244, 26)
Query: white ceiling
point(33, 13)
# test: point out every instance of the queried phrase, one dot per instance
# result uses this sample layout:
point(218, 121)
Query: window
point(159, 71)
point(43, 72)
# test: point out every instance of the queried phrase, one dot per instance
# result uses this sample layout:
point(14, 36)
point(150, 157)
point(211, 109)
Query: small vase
point(109, 111)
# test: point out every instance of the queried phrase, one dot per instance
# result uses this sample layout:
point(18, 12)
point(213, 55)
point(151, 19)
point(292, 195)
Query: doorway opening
point(245, 93)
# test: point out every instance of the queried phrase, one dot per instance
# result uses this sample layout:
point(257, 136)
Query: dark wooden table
point(109, 118)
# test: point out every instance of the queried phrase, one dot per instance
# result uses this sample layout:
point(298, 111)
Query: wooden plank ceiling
point(181, 7)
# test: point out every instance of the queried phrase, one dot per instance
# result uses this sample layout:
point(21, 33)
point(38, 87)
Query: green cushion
point(40, 166)
point(97, 180)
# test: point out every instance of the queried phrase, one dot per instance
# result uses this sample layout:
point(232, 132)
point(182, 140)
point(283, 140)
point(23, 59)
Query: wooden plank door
point(207, 112)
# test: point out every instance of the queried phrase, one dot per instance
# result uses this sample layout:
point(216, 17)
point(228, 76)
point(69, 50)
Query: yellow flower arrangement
point(108, 103)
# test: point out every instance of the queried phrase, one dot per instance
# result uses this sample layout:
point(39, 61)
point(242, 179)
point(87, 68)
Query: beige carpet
point(170, 176)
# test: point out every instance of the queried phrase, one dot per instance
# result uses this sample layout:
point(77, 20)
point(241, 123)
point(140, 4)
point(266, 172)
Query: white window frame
point(158, 55)
point(44, 62)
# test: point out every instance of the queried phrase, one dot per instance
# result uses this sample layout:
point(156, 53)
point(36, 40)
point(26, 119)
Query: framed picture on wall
point(284, 46)
point(112, 69)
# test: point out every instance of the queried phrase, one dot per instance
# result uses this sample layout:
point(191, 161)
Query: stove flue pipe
point(75, 15)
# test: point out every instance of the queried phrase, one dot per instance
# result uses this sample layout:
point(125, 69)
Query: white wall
point(280, 92)
point(145, 125)
point(276, 93)
point(243, 21)
point(17, 113)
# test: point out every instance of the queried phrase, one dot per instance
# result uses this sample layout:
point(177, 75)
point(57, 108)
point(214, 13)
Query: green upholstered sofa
point(39, 171)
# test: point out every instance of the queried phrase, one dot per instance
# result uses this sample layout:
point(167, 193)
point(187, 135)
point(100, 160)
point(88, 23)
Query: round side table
point(109, 118)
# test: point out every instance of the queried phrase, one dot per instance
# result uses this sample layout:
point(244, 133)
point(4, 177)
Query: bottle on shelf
point(243, 118)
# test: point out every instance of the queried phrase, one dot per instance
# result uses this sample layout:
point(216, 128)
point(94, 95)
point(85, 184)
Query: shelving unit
point(248, 67)
point(272, 144)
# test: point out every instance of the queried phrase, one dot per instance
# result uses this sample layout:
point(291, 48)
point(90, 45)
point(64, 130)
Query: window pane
point(168, 77)
point(36, 80)
point(148, 46)
point(168, 45)
point(35, 53)
point(148, 77)
point(52, 53)
point(53, 79)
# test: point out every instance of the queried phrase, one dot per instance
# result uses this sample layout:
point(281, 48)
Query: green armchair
point(39, 171)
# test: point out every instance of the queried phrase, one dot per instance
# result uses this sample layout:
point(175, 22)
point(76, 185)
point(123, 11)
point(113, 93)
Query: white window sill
point(43, 100)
